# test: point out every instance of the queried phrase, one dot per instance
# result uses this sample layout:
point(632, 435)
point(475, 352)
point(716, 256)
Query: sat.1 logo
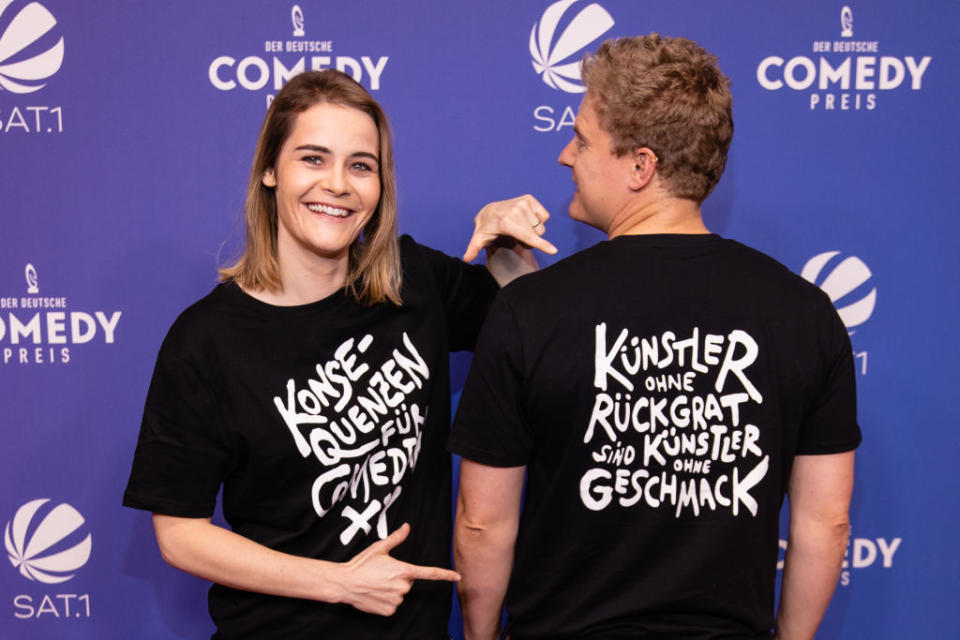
point(31, 53)
point(48, 546)
point(556, 54)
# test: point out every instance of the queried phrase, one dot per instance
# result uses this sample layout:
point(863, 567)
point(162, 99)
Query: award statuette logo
point(296, 16)
point(24, 33)
point(51, 550)
point(844, 74)
point(558, 60)
point(287, 57)
point(846, 23)
point(30, 273)
point(842, 281)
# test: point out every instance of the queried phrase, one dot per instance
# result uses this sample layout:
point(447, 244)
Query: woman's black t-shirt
point(325, 424)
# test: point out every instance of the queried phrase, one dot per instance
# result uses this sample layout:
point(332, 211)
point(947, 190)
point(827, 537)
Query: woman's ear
point(269, 178)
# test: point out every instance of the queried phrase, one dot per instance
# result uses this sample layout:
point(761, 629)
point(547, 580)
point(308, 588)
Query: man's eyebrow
point(579, 133)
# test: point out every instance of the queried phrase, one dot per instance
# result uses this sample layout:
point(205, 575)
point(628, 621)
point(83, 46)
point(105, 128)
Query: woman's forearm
point(372, 581)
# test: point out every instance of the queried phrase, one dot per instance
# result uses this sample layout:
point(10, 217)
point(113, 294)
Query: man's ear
point(269, 178)
point(644, 166)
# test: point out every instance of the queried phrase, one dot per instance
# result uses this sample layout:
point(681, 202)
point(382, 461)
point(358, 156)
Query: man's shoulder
point(756, 259)
point(773, 277)
point(558, 280)
point(590, 272)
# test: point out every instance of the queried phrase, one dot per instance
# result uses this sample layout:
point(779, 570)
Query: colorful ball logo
point(47, 552)
point(840, 284)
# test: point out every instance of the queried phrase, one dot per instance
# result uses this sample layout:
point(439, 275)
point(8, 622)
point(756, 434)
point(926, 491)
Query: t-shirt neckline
point(667, 239)
point(235, 291)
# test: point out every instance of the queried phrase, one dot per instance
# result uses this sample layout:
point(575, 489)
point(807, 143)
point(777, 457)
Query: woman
point(312, 385)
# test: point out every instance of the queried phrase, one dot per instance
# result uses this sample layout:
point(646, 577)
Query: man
point(662, 391)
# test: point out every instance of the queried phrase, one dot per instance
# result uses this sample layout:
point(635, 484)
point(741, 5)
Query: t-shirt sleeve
point(182, 454)
point(490, 426)
point(467, 291)
point(830, 421)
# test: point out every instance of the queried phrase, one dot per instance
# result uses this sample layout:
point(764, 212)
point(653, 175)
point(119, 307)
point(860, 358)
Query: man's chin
point(578, 214)
point(576, 211)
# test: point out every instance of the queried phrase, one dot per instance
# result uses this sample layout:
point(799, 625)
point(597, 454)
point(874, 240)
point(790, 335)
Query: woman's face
point(327, 183)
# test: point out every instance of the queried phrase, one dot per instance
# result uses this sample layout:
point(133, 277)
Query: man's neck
point(663, 215)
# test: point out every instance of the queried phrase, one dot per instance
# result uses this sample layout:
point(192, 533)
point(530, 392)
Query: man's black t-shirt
point(657, 389)
point(325, 424)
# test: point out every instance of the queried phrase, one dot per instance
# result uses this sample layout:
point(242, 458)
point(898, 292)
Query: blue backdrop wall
point(126, 132)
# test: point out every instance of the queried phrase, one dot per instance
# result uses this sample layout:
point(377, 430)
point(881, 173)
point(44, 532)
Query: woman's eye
point(313, 159)
point(362, 166)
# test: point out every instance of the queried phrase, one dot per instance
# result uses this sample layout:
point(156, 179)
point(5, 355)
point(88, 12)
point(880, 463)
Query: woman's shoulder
point(222, 297)
point(416, 254)
point(203, 320)
point(420, 262)
point(432, 273)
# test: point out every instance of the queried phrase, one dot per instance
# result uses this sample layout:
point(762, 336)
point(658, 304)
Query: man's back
point(657, 388)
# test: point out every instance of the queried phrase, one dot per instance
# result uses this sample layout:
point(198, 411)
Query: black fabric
point(236, 379)
point(654, 479)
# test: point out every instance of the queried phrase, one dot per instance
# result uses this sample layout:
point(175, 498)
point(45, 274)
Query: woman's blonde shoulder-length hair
point(374, 259)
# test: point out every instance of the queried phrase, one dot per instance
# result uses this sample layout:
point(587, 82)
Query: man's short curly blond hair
point(668, 95)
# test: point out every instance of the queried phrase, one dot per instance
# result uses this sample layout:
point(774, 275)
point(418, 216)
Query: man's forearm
point(484, 558)
point(484, 535)
point(811, 569)
point(819, 492)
